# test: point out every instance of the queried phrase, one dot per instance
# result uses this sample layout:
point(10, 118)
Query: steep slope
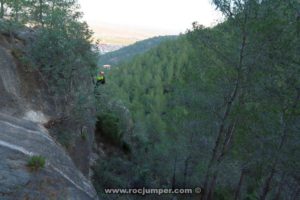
point(26, 108)
point(218, 108)
point(138, 48)
point(148, 85)
point(22, 93)
point(10, 86)
point(21, 139)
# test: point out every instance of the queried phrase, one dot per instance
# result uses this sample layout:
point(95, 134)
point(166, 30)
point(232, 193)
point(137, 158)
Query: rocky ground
point(60, 179)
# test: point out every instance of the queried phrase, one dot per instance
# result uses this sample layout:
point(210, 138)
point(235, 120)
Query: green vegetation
point(60, 52)
point(108, 127)
point(84, 134)
point(127, 53)
point(36, 162)
point(58, 47)
point(217, 108)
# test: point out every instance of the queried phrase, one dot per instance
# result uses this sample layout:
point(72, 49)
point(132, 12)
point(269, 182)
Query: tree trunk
point(239, 187)
point(226, 115)
point(284, 137)
point(210, 194)
point(267, 184)
point(174, 174)
point(2, 9)
point(186, 165)
point(41, 12)
point(278, 193)
point(233, 97)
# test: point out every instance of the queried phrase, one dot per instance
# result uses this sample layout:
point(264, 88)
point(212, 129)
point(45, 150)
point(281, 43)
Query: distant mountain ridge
point(106, 48)
point(128, 52)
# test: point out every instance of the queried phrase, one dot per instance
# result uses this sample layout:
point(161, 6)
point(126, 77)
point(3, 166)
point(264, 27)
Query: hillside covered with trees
point(216, 108)
point(127, 53)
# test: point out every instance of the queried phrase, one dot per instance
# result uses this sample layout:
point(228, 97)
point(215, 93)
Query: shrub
point(108, 127)
point(21, 57)
point(84, 136)
point(36, 162)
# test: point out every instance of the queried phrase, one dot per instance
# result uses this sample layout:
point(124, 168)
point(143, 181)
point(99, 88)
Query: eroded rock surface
point(60, 179)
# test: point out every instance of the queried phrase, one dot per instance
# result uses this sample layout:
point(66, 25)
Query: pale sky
point(162, 16)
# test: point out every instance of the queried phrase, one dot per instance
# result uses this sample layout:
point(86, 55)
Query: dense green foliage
point(108, 127)
point(127, 53)
point(217, 108)
point(149, 87)
point(61, 49)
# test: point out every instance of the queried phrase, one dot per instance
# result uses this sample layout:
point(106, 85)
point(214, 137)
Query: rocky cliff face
point(19, 140)
point(25, 106)
point(22, 93)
